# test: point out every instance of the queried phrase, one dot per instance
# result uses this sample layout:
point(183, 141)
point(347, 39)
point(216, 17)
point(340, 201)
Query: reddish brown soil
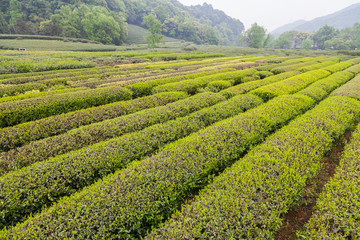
point(296, 218)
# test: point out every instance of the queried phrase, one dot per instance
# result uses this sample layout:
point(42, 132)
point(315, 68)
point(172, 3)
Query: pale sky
point(275, 13)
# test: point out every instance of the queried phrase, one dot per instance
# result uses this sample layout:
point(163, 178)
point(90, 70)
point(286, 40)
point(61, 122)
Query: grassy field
point(136, 35)
point(162, 144)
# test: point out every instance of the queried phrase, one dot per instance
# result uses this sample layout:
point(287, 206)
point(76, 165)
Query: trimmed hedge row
point(56, 73)
point(128, 203)
point(39, 94)
point(13, 113)
point(11, 90)
point(354, 69)
point(264, 74)
point(66, 174)
point(81, 79)
point(21, 78)
point(239, 65)
point(292, 67)
point(121, 79)
point(192, 86)
point(21, 134)
point(70, 75)
point(246, 87)
point(320, 89)
point(178, 64)
point(290, 85)
point(351, 89)
point(97, 132)
point(217, 86)
point(249, 200)
point(338, 67)
point(284, 63)
point(55, 77)
point(355, 60)
point(22, 65)
point(316, 66)
point(337, 208)
point(289, 62)
point(145, 88)
point(148, 77)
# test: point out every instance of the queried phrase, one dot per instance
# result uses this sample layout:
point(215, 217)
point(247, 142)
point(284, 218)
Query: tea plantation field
point(177, 145)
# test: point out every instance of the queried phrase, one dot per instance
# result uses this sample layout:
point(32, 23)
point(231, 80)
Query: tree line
point(326, 37)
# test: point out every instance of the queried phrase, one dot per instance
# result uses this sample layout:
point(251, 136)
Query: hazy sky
point(275, 13)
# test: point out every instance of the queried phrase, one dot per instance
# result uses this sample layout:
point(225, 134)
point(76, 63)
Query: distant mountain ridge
point(346, 17)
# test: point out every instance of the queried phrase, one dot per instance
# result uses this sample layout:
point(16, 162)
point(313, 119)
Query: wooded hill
point(106, 20)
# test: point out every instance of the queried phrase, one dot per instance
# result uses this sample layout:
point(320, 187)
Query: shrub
point(11, 90)
point(337, 208)
point(249, 200)
point(86, 135)
point(292, 67)
point(217, 86)
point(65, 174)
point(264, 74)
point(146, 192)
point(192, 86)
point(36, 93)
point(351, 89)
point(21, 134)
point(246, 87)
point(338, 67)
point(290, 85)
point(316, 66)
point(324, 87)
point(145, 88)
point(354, 69)
point(36, 108)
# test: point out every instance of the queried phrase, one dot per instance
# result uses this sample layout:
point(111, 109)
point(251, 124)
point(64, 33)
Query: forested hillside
point(106, 20)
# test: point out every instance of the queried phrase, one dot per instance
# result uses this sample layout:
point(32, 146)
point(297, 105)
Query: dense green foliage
point(154, 26)
point(105, 20)
point(16, 136)
point(246, 87)
point(290, 85)
point(192, 86)
point(107, 157)
point(104, 161)
point(97, 132)
point(337, 208)
point(12, 113)
point(316, 66)
point(145, 88)
point(255, 37)
point(153, 188)
point(248, 200)
point(351, 89)
point(323, 87)
point(31, 65)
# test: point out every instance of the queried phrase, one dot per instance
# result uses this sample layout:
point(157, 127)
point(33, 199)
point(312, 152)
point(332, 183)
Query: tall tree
point(322, 35)
point(255, 36)
point(356, 35)
point(154, 27)
point(285, 40)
